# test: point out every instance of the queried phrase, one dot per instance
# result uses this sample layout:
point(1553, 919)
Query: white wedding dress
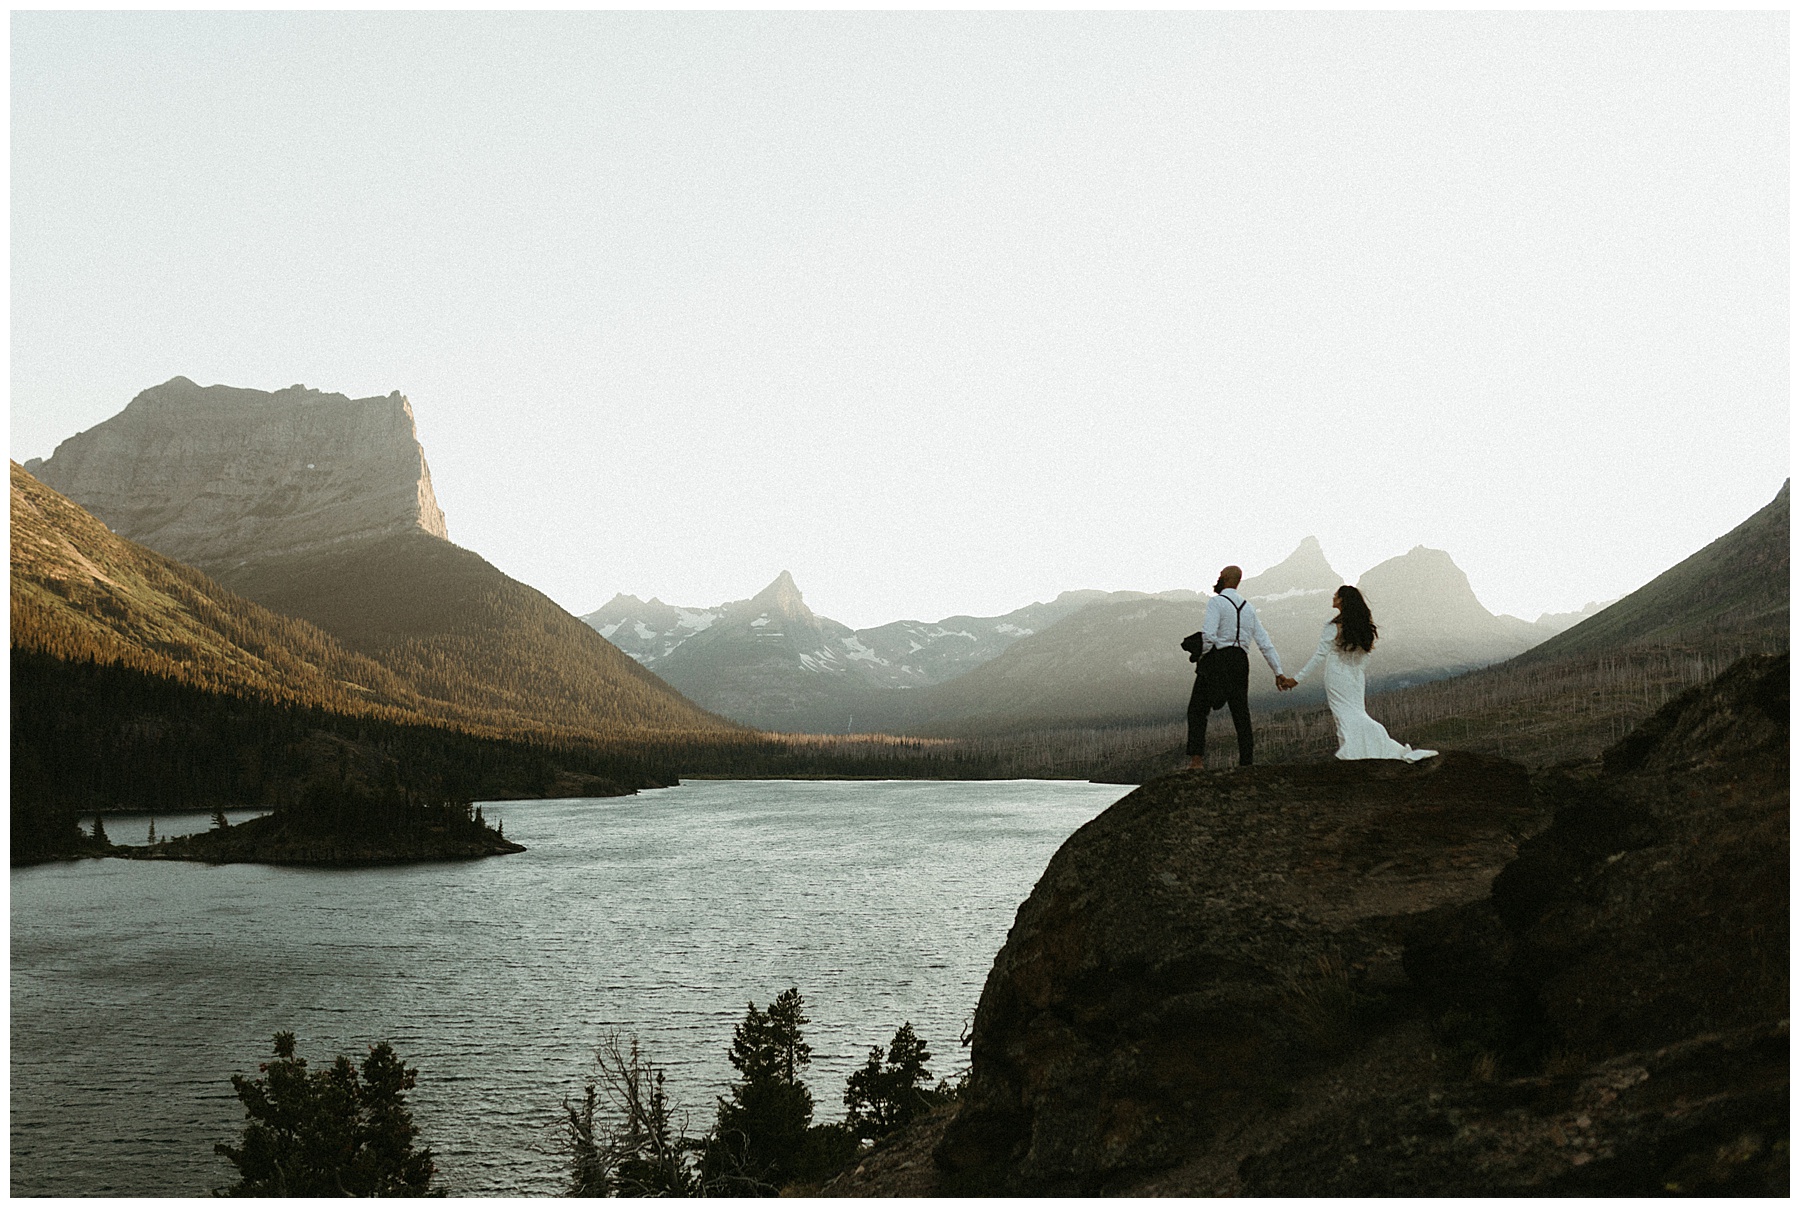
point(1359, 735)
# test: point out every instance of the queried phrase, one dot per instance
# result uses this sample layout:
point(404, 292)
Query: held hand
point(1283, 683)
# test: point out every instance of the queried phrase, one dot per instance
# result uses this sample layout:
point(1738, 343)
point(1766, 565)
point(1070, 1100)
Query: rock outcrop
point(217, 477)
point(1185, 954)
point(1336, 980)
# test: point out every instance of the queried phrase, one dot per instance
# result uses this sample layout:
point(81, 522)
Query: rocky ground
point(1449, 979)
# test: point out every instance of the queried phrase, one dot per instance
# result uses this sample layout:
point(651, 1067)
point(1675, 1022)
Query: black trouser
point(1228, 666)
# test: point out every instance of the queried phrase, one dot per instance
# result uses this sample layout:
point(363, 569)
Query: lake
point(139, 987)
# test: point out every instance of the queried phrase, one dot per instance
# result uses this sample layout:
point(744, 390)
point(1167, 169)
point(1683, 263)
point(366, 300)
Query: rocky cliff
point(216, 476)
point(1187, 954)
point(1369, 979)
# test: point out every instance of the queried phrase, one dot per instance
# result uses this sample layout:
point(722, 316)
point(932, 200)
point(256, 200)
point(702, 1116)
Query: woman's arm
point(1325, 639)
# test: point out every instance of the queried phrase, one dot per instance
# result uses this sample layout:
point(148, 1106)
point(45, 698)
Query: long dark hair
point(1356, 628)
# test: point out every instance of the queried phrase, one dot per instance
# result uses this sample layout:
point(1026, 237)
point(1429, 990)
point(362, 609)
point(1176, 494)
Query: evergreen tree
point(220, 821)
point(760, 1136)
point(885, 1095)
point(335, 1132)
point(100, 832)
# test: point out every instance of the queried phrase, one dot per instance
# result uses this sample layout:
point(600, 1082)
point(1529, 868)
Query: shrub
point(643, 1148)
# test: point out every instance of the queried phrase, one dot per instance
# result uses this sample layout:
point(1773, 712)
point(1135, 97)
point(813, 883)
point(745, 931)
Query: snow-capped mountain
point(1084, 658)
point(770, 661)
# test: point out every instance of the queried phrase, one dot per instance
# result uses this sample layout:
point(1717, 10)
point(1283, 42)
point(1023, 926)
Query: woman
point(1344, 647)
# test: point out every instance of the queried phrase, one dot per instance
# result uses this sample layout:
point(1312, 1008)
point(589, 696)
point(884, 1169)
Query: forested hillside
point(460, 632)
point(80, 591)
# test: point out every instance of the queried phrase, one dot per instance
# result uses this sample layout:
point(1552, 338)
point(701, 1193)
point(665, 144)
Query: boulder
point(1203, 942)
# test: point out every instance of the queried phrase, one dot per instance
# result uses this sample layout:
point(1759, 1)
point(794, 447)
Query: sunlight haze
point(947, 312)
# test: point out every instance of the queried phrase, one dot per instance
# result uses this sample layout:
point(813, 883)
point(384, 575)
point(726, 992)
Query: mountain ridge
point(814, 673)
point(953, 677)
point(217, 476)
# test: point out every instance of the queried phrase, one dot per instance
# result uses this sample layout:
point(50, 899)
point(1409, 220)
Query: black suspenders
point(1240, 619)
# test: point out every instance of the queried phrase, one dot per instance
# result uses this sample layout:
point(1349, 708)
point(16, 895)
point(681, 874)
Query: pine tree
point(335, 1132)
point(100, 833)
point(761, 1129)
point(885, 1095)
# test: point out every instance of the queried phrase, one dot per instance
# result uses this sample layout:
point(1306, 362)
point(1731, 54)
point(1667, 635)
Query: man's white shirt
point(1221, 626)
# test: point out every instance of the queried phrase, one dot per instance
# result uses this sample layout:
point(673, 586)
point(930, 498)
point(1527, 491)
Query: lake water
point(138, 988)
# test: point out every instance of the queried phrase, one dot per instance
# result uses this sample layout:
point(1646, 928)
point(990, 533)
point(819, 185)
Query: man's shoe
point(1196, 763)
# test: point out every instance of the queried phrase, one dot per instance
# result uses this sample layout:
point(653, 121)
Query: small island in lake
point(341, 827)
point(274, 839)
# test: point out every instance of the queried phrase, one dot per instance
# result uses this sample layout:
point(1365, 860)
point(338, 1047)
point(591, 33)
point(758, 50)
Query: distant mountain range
point(1085, 658)
point(771, 662)
point(320, 508)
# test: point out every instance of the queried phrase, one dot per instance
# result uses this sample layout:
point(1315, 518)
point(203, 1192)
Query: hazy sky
point(946, 312)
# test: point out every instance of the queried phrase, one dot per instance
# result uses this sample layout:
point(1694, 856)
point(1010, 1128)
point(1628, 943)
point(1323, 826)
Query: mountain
point(1734, 588)
point(1431, 623)
point(80, 591)
point(320, 507)
point(1119, 662)
point(216, 476)
point(1566, 698)
point(771, 662)
point(139, 682)
point(1303, 573)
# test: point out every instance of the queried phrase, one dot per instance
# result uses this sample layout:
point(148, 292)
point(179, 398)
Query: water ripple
point(138, 988)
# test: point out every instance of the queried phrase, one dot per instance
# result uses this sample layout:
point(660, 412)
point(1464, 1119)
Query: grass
point(1320, 1007)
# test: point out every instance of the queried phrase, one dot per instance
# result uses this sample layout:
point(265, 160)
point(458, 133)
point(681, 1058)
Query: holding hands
point(1284, 682)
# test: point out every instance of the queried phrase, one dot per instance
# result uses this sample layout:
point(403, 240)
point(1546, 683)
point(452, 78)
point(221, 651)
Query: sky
point(946, 312)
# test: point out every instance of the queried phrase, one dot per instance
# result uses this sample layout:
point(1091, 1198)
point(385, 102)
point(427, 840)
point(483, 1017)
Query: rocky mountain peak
point(219, 477)
point(1424, 589)
point(1304, 570)
point(782, 598)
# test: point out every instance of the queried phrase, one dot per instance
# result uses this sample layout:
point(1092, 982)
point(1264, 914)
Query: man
point(1231, 625)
